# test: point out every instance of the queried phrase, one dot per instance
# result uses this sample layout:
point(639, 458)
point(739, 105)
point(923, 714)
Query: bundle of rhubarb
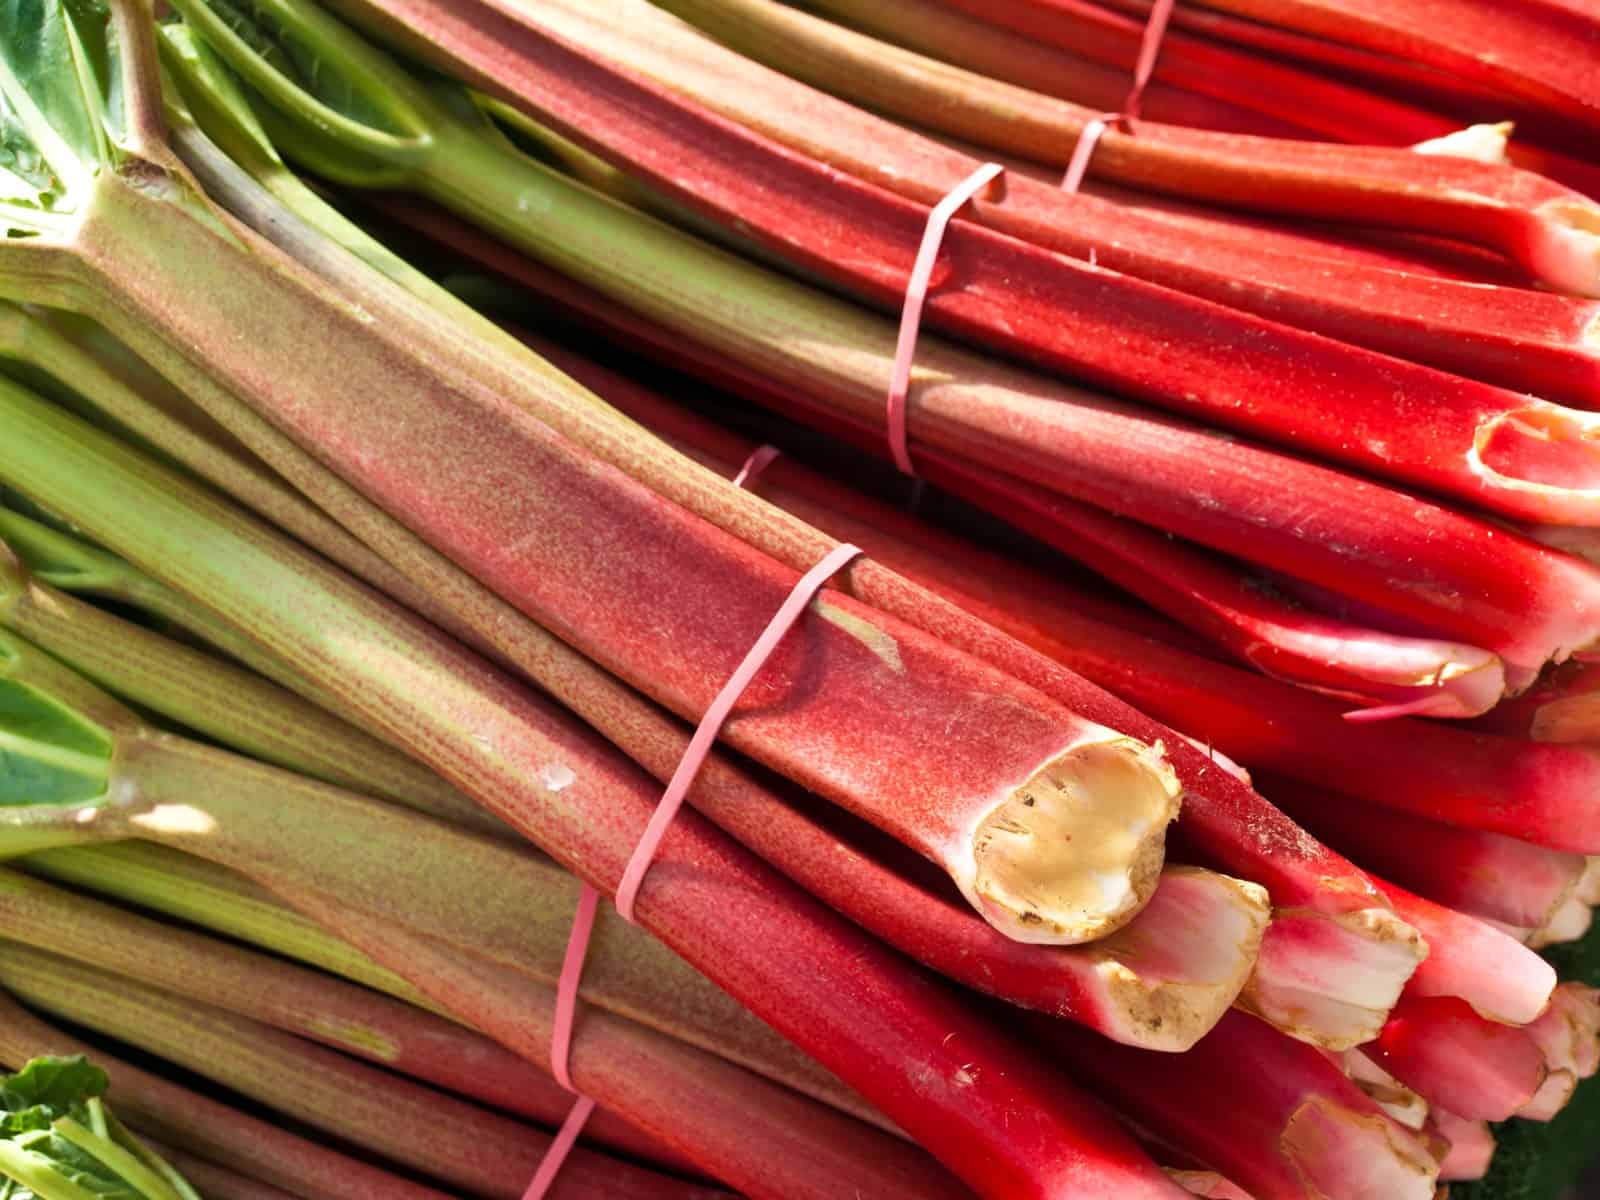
point(1183, 739)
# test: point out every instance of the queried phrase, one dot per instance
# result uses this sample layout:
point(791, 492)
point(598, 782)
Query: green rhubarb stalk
point(332, 1012)
point(214, 897)
point(73, 565)
point(429, 1131)
point(232, 706)
point(340, 857)
point(114, 383)
point(198, 1124)
point(59, 1142)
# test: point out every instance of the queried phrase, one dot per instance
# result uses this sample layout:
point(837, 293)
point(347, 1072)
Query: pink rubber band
point(705, 734)
point(561, 1043)
point(1155, 31)
point(760, 459)
point(916, 295)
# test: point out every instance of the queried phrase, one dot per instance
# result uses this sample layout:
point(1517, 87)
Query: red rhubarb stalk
point(1568, 1034)
point(1544, 52)
point(1486, 875)
point(1478, 1069)
point(1223, 604)
point(212, 1181)
point(1527, 340)
point(982, 40)
point(199, 1124)
point(1296, 1129)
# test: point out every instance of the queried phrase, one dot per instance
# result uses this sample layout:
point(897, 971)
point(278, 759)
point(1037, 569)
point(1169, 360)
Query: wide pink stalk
point(1487, 875)
point(427, 1131)
point(1543, 226)
point(758, 937)
point(197, 1123)
point(357, 1021)
point(1478, 1069)
point(1208, 596)
point(1289, 1126)
point(1224, 821)
point(1528, 340)
point(1568, 1034)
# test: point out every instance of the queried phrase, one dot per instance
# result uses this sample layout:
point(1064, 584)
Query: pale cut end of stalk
point(1168, 994)
point(1564, 246)
point(1484, 143)
point(1467, 684)
point(1357, 1156)
point(1074, 853)
point(1568, 1033)
point(1330, 979)
point(1545, 459)
point(1388, 1093)
point(1551, 1098)
point(1568, 923)
point(1588, 889)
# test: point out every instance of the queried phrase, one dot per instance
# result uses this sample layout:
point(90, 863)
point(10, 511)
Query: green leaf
point(61, 111)
point(60, 1086)
point(324, 95)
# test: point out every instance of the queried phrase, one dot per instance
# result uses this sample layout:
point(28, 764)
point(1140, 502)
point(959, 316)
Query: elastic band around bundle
point(705, 734)
point(561, 1044)
point(916, 296)
point(1155, 31)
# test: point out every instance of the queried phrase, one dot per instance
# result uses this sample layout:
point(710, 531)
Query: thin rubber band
point(1155, 31)
point(561, 1043)
point(760, 459)
point(916, 295)
point(705, 734)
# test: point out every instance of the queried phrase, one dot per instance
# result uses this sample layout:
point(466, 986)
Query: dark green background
point(1542, 1161)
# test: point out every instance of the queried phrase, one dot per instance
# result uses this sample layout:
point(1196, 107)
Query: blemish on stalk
point(558, 777)
point(865, 632)
point(369, 1043)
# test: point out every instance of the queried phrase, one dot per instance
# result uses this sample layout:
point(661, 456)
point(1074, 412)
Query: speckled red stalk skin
point(1396, 419)
point(948, 1079)
point(1223, 820)
point(1228, 1102)
point(1544, 52)
point(1482, 874)
point(1524, 339)
point(210, 1180)
point(1450, 1056)
point(207, 1127)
